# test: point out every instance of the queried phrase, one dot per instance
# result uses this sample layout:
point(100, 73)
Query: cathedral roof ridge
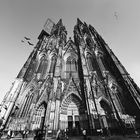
point(92, 28)
point(70, 45)
point(71, 83)
point(69, 41)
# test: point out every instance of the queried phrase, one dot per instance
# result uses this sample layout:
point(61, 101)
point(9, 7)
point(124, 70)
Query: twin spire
point(50, 27)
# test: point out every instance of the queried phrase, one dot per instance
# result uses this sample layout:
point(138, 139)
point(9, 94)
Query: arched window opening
point(71, 67)
point(30, 71)
point(90, 62)
point(42, 69)
point(88, 41)
point(53, 62)
point(68, 65)
point(27, 103)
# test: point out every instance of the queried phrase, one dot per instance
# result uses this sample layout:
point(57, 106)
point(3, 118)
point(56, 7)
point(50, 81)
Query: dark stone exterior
point(74, 84)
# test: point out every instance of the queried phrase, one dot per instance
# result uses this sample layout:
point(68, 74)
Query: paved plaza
point(88, 138)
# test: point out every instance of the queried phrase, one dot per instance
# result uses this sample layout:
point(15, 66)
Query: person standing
point(1, 133)
point(66, 134)
point(23, 134)
point(36, 135)
point(84, 134)
point(9, 134)
point(58, 135)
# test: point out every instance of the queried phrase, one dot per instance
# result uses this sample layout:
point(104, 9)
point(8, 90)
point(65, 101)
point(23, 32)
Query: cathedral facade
point(72, 84)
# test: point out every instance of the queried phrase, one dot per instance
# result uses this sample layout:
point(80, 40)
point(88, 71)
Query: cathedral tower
point(72, 84)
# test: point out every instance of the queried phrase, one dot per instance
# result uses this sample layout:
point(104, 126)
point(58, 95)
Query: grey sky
point(19, 18)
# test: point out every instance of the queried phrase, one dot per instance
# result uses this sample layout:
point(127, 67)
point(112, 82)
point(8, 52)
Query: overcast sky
point(118, 21)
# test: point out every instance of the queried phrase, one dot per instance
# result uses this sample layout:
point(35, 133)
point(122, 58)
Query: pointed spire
point(79, 22)
point(58, 28)
point(92, 28)
point(86, 28)
point(85, 24)
point(60, 23)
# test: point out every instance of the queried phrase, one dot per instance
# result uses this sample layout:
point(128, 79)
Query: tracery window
point(71, 66)
point(42, 69)
point(53, 62)
point(30, 71)
point(27, 103)
point(89, 62)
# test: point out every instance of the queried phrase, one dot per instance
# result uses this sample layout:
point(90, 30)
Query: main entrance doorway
point(70, 108)
point(73, 119)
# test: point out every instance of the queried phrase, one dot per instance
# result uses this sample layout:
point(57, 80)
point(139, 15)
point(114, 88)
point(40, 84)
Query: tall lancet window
point(89, 62)
point(42, 69)
point(27, 103)
point(53, 62)
point(71, 66)
point(30, 71)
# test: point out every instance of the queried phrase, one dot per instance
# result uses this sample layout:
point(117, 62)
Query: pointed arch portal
point(111, 120)
point(69, 114)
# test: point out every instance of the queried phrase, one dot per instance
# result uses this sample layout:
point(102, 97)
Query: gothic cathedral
point(72, 84)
